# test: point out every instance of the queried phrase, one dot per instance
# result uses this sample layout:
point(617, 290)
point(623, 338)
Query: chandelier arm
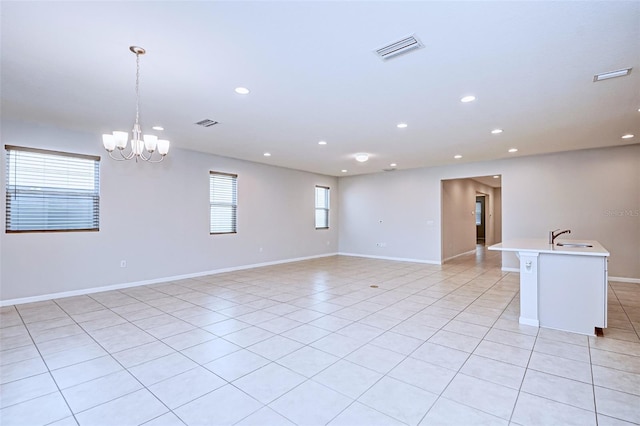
point(122, 158)
point(155, 161)
point(128, 156)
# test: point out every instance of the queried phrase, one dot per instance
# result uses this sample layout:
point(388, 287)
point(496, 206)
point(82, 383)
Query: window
point(223, 197)
point(322, 207)
point(51, 191)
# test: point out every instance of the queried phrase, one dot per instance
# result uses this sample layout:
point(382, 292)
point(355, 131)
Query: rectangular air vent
point(612, 74)
point(399, 47)
point(206, 123)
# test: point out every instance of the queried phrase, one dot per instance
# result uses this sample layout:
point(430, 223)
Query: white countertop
point(541, 245)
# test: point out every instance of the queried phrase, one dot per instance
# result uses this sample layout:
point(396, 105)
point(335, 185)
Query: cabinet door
point(571, 292)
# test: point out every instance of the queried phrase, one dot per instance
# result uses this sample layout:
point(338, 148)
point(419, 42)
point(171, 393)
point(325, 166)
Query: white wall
point(156, 217)
point(594, 192)
point(497, 215)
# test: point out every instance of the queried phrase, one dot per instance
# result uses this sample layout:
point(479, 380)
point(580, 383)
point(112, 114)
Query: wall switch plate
point(123, 263)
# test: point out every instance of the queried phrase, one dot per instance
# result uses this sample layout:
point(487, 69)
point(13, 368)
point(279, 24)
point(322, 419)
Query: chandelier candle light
point(142, 147)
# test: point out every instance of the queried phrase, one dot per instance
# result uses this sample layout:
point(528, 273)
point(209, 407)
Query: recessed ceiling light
point(512, 150)
point(392, 165)
point(362, 157)
point(322, 143)
point(401, 125)
point(158, 128)
point(496, 176)
point(469, 98)
point(457, 157)
point(496, 131)
point(627, 136)
point(612, 74)
point(344, 170)
point(267, 154)
point(242, 90)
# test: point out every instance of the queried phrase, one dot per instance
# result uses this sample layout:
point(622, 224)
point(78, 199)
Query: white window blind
point(51, 191)
point(223, 198)
point(322, 207)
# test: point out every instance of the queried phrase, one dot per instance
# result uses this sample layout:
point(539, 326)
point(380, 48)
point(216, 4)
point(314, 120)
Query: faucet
point(555, 234)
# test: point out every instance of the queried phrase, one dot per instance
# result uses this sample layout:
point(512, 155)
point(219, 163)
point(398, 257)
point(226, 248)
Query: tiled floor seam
point(48, 369)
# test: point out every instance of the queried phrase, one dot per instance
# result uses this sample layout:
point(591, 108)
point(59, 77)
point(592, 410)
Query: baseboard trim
point(399, 259)
point(625, 280)
point(458, 255)
point(507, 269)
point(82, 292)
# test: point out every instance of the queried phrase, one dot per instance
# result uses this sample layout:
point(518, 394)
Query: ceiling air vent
point(399, 47)
point(206, 123)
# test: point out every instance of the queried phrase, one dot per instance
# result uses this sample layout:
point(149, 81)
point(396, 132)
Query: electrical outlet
point(123, 263)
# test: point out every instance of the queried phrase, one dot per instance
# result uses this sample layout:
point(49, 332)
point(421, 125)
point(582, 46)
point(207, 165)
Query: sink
point(577, 245)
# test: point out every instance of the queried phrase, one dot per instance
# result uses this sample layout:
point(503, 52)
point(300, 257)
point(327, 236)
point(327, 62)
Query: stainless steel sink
point(575, 245)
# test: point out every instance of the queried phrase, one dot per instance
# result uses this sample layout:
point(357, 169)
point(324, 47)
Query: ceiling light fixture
point(627, 136)
point(362, 157)
point(242, 90)
point(142, 147)
point(322, 143)
point(267, 154)
point(158, 128)
point(344, 170)
point(612, 74)
point(457, 157)
point(496, 176)
point(466, 99)
point(401, 125)
point(392, 165)
point(496, 131)
point(512, 150)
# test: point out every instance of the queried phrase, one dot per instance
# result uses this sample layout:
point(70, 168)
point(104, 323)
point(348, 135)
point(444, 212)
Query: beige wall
point(594, 192)
point(156, 217)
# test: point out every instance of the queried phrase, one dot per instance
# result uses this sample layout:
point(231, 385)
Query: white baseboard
point(507, 269)
point(81, 292)
point(458, 255)
point(399, 259)
point(625, 280)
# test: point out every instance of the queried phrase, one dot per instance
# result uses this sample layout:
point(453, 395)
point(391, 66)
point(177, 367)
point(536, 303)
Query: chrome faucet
point(555, 234)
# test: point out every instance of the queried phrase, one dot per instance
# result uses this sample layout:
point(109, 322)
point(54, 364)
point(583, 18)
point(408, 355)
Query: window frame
point(326, 209)
point(12, 190)
point(234, 205)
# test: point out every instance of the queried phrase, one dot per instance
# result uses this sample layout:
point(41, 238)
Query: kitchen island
point(563, 285)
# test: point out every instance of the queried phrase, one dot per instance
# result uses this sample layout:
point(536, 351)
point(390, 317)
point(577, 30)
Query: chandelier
point(142, 146)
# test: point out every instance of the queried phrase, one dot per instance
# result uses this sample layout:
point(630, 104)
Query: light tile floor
point(337, 340)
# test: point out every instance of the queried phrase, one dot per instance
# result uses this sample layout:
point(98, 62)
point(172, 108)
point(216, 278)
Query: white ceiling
point(313, 76)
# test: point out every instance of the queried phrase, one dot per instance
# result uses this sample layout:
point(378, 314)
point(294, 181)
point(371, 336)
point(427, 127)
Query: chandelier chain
point(137, 87)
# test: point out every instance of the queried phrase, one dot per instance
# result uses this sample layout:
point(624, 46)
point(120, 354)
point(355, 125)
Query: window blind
point(51, 191)
point(322, 207)
point(223, 198)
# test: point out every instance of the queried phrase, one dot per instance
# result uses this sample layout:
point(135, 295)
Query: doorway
point(471, 215)
point(481, 227)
